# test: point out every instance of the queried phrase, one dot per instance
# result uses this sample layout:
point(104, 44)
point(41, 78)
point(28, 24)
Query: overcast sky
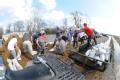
point(103, 15)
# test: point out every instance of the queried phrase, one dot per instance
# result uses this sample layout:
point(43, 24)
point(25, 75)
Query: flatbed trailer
point(90, 62)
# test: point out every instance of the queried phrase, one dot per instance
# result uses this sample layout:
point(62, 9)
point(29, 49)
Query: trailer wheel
point(103, 67)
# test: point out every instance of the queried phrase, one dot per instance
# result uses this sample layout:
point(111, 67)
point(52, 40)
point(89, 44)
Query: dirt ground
point(108, 74)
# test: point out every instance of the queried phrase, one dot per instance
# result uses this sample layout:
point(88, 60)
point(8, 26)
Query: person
point(14, 49)
point(15, 53)
point(41, 42)
point(90, 34)
point(34, 37)
point(70, 35)
point(58, 35)
point(81, 36)
point(27, 45)
point(75, 39)
point(61, 46)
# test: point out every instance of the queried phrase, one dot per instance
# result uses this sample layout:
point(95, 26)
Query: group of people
point(73, 36)
point(15, 53)
point(39, 39)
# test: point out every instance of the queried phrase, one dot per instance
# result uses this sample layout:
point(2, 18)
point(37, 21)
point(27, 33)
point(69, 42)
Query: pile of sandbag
point(100, 52)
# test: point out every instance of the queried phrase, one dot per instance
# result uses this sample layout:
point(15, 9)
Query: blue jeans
point(12, 54)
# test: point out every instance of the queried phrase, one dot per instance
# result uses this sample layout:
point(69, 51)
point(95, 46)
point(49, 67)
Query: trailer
point(83, 59)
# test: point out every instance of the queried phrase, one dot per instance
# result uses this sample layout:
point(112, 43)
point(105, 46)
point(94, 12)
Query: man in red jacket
point(90, 34)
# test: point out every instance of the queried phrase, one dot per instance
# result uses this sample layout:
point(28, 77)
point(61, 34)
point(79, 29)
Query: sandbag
point(14, 65)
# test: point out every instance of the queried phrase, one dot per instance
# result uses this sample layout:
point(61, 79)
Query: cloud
point(54, 15)
point(49, 4)
point(109, 26)
point(19, 9)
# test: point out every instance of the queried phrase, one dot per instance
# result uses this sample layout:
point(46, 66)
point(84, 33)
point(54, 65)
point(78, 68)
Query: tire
point(103, 67)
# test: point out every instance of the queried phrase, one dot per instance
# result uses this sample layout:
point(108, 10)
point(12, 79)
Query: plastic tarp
point(35, 72)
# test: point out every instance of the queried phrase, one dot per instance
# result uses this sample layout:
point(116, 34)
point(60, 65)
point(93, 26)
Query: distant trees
point(35, 24)
point(19, 26)
point(65, 22)
point(8, 30)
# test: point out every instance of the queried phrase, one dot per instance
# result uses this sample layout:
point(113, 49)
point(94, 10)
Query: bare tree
point(77, 18)
point(8, 30)
point(19, 26)
point(29, 26)
point(65, 22)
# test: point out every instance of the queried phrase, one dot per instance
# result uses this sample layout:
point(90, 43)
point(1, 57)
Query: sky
point(103, 15)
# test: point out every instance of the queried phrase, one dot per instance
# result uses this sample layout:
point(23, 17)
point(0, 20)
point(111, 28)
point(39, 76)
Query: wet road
point(116, 58)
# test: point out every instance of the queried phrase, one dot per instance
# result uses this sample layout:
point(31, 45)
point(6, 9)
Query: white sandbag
point(102, 57)
point(17, 65)
point(11, 66)
point(102, 50)
point(98, 62)
point(33, 52)
point(92, 53)
point(107, 57)
point(14, 65)
point(96, 48)
point(53, 49)
point(88, 52)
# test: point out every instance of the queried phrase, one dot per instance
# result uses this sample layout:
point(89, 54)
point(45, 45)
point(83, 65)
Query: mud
point(108, 74)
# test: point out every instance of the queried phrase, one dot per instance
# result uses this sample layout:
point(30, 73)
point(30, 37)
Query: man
point(61, 46)
point(70, 35)
point(14, 55)
point(34, 37)
point(13, 48)
point(58, 35)
point(81, 37)
point(90, 34)
point(27, 45)
point(75, 39)
point(41, 42)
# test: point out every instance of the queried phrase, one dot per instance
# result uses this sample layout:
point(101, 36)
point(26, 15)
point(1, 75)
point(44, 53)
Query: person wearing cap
point(90, 34)
point(34, 37)
point(41, 41)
